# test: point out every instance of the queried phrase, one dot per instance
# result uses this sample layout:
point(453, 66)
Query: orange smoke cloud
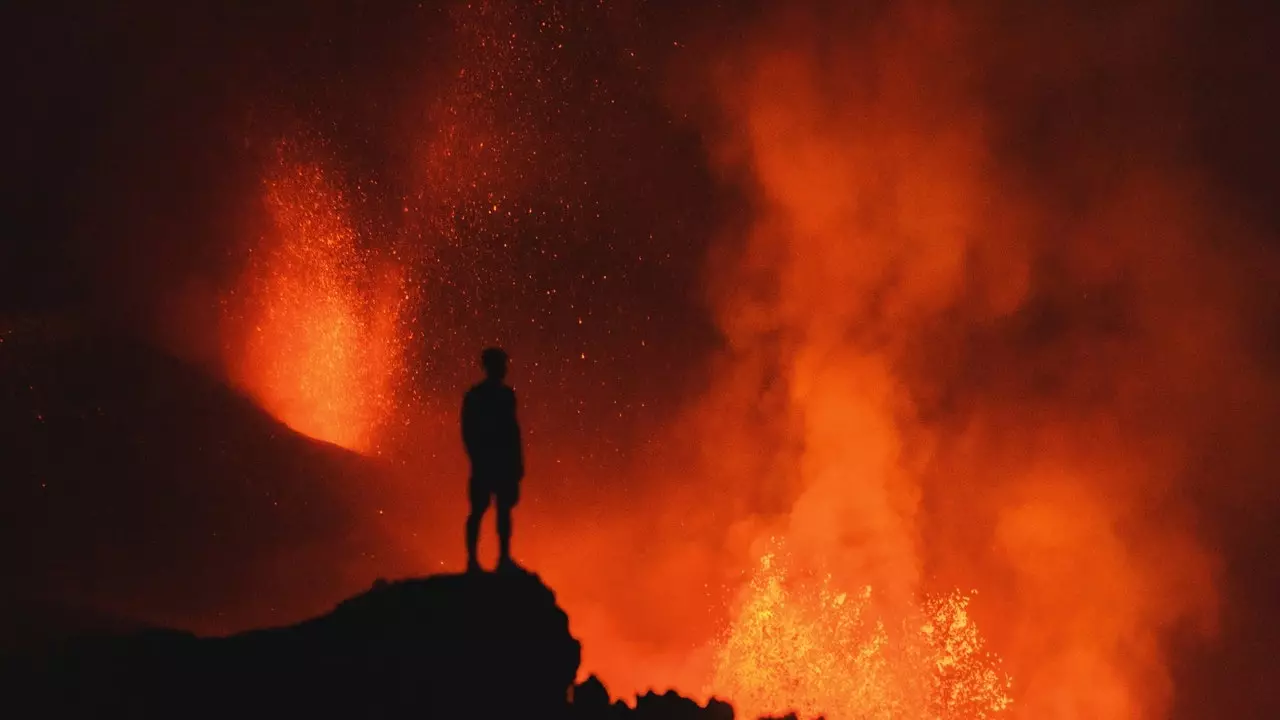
point(969, 384)
point(313, 327)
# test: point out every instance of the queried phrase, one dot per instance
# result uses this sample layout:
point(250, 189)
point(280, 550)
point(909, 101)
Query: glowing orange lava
point(317, 319)
point(807, 646)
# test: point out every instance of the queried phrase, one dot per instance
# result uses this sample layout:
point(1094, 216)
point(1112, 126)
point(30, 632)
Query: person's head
point(494, 361)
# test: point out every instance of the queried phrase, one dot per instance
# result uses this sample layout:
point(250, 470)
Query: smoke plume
point(982, 336)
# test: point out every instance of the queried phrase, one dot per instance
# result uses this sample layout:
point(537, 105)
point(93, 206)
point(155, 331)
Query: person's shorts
point(481, 489)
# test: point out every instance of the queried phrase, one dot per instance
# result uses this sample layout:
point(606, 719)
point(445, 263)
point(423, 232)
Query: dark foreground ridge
point(480, 645)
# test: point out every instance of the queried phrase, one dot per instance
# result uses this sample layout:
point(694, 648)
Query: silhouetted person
point(492, 437)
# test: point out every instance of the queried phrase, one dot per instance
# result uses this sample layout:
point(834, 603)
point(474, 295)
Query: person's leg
point(479, 503)
point(504, 533)
point(507, 498)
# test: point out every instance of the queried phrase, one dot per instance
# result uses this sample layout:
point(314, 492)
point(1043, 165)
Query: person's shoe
point(473, 566)
point(506, 564)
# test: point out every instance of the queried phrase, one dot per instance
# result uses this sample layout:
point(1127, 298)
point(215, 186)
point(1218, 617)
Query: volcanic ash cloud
point(982, 376)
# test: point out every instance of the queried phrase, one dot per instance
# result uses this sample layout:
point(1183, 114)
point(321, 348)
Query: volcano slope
point(138, 489)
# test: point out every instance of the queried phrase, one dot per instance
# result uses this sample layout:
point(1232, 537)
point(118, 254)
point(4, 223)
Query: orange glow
point(316, 321)
point(811, 648)
point(880, 308)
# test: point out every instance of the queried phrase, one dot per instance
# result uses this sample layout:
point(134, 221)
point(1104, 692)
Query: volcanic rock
point(462, 646)
point(591, 702)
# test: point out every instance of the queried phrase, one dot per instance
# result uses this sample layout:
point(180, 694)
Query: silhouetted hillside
point(480, 645)
point(132, 483)
point(34, 626)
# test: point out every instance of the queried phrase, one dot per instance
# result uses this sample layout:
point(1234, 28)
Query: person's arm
point(468, 424)
point(515, 422)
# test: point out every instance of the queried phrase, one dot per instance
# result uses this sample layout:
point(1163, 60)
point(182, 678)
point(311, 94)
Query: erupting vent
point(318, 317)
point(801, 643)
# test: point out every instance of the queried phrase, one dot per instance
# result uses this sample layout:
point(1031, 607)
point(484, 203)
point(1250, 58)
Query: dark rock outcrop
point(591, 702)
point(462, 646)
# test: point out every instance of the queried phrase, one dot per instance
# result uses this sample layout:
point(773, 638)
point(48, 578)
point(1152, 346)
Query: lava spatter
point(317, 314)
point(804, 644)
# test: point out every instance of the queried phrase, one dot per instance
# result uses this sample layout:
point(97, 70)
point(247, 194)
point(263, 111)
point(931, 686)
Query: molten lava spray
point(821, 651)
point(314, 326)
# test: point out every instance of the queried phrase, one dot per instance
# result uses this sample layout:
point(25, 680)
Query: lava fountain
point(804, 645)
point(313, 327)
